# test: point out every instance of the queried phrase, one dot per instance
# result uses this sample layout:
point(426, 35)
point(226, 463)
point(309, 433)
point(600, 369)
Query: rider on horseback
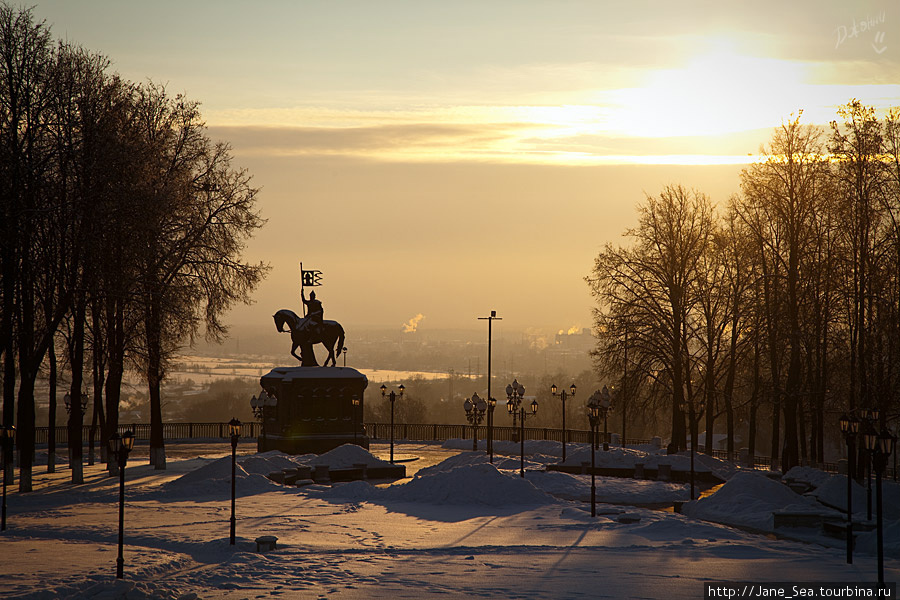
point(312, 324)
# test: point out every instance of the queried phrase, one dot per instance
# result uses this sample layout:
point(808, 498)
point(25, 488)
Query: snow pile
point(214, 478)
point(611, 490)
point(464, 479)
point(832, 492)
point(626, 458)
point(474, 484)
point(748, 500)
point(810, 475)
point(867, 542)
point(344, 457)
point(547, 447)
point(504, 463)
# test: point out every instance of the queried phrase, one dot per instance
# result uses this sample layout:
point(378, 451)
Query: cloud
point(372, 141)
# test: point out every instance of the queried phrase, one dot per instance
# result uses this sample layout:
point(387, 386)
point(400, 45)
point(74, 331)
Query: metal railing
point(419, 432)
point(171, 431)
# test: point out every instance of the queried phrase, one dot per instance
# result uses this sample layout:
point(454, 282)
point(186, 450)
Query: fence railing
point(402, 431)
point(171, 431)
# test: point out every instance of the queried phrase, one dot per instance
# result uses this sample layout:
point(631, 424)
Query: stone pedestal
point(315, 412)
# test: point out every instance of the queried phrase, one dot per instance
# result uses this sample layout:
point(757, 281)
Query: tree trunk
point(51, 416)
point(153, 325)
point(115, 347)
point(76, 414)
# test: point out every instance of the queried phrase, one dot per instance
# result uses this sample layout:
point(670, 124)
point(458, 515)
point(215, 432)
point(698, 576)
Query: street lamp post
point(490, 423)
point(392, 397)
point(355, 402)
point(870, 421)
point(849, 428)
point(562, 396)
point(688, 407)
point(7, 436)
point(491, 404)
point(879, 446)
point(605, 407)
point(120, 447)
point(475, 409)
point(515, 392)
point(511, 407)
point(594, 419)
point(259, 406)
point(235, 427)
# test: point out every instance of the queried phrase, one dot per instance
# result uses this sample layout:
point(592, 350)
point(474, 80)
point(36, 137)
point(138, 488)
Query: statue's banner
point(310, 278)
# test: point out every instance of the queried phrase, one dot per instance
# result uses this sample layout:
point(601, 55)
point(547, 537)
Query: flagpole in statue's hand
point(302, 291)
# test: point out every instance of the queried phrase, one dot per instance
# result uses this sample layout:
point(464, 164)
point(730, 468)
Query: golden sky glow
point(424, 154)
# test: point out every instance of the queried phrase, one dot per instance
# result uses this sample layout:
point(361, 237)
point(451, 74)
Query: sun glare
point(720, 91)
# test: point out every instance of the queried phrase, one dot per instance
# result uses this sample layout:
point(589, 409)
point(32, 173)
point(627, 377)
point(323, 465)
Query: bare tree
point(654, 282)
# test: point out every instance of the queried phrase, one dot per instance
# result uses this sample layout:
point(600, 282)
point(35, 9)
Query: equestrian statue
point(309, 330)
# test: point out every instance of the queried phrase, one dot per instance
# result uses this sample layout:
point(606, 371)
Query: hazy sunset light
point(376, 117)
point(287, 238)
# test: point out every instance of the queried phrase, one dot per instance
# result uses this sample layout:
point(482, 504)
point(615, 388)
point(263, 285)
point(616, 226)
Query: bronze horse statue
point(329, 333)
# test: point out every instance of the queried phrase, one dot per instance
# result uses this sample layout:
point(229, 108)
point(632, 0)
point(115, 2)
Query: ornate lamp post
point(355, 403)
point(7, 436)
point(879, 446)
point(870, 421)
point(605, 407)
point(515, 391)
point(392, 397)
point(235, 426)
point(259, 406)
point(511, 407)
point(688, 407)
point(120, 447)
point(849, 428)
point(594, 409)
point(475, 409)
point(562, 396)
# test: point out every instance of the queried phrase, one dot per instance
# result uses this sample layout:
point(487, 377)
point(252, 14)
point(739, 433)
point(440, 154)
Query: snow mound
point(748, 500)
point(832, 492)
point(344, 457)
point(547, 447)
point(472, 484)
point(463, 459)
point(214, 478)
point(810, 475)
point(625, 458)
point(867, 542)
point(352, 491)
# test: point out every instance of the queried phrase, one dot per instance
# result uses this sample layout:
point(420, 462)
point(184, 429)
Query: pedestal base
point(319, 409)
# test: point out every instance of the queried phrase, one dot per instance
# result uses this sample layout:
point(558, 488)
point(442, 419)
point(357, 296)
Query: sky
point(447, 159)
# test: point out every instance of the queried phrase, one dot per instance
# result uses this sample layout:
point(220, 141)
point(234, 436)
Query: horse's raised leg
point(331, 356)
point(293, 348)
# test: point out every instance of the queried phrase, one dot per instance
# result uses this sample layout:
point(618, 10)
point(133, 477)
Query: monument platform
point(319, 409)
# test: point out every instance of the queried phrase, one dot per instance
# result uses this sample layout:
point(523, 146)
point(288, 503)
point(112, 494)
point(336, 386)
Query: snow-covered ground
point(460, 527)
